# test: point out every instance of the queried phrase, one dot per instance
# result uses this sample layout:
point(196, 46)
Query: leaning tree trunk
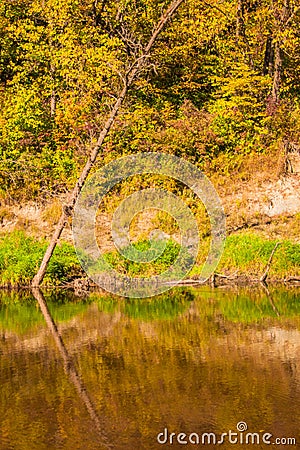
point(68, 208)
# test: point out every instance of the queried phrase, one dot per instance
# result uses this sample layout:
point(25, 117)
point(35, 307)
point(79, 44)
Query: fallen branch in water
point(228, 277)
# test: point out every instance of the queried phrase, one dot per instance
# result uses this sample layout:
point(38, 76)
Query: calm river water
point(126, 374)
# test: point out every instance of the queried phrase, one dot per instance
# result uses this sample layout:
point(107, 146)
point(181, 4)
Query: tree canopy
point(222, 79)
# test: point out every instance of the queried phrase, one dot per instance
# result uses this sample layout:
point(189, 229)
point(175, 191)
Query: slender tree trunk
point(268, 58)
point(68, 208)
point(283, 20)
point(53, 93)
point(277, 74)
point(52, 104)
point(240, 31)
point(240, 24)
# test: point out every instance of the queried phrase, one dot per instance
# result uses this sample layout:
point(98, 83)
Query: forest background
point(221, 89)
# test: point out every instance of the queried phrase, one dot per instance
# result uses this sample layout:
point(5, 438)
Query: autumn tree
point(63, 64)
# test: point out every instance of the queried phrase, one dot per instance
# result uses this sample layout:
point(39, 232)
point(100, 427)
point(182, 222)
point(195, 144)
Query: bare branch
point(266, 272)
point(215, 7)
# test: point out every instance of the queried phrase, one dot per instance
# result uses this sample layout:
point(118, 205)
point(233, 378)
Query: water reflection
point(69, 366)
point(199, 360)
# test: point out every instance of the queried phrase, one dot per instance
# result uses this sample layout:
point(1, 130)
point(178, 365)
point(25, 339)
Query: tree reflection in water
point(70, 368)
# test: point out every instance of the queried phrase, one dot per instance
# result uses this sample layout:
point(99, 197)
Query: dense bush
point(20, 256)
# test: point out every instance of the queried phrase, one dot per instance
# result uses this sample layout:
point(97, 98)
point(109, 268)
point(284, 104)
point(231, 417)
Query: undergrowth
point(21, 255)
point(244, 254)
point(248, 254)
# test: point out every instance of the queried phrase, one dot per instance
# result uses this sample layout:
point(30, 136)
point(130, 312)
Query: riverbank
point(245, 259)
point(262, 208)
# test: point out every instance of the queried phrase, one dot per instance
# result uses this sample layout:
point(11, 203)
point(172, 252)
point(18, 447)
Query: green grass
point(168, 251)
point(250, 253)
point(21, 255)
point(245, 254)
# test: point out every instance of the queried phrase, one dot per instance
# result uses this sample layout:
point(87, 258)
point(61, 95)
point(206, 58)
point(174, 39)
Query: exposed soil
point(268, 202)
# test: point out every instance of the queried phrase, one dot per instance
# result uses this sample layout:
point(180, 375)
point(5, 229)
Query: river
point(134, 374)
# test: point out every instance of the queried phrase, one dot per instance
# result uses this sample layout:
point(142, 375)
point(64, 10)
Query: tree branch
point(265, 274)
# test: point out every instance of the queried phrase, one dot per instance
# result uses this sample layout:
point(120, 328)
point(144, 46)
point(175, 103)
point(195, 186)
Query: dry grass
point(52, 212)
point(6, 214)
